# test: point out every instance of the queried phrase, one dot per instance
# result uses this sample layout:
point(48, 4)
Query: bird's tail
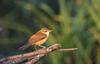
point(24, 46)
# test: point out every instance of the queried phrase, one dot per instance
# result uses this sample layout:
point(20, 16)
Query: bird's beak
point(50, 30)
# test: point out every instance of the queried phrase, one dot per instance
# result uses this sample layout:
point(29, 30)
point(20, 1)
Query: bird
point(37, 39)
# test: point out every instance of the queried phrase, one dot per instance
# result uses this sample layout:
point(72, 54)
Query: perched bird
point(37, 39)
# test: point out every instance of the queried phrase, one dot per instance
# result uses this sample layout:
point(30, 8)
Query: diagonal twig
point(33, 56)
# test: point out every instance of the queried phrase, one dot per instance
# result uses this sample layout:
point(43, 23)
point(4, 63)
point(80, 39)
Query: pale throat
point(47, 33)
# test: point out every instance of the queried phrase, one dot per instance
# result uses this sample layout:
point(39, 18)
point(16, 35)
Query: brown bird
point(37, 39)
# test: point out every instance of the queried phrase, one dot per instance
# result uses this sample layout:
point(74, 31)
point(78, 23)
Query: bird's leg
point(35, 47)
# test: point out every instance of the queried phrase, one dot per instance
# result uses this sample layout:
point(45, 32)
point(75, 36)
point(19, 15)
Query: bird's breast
point(40, 42)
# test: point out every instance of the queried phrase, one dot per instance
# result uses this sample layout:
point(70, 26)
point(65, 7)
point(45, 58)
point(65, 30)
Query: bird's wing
point(37, 37)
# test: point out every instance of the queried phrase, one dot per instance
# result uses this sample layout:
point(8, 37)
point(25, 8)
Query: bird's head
point(45, 30)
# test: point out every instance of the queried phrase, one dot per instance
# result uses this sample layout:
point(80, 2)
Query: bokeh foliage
point(75, 23)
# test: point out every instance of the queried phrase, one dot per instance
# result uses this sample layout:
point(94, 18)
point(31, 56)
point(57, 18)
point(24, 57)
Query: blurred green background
point(75, 23)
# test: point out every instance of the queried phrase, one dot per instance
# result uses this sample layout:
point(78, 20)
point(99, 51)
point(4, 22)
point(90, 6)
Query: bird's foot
point(42, 46)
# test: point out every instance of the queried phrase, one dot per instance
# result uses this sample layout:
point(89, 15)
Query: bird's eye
point(45, 30)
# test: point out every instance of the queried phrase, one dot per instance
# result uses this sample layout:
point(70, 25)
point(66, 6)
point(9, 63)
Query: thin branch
point(69, 49)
